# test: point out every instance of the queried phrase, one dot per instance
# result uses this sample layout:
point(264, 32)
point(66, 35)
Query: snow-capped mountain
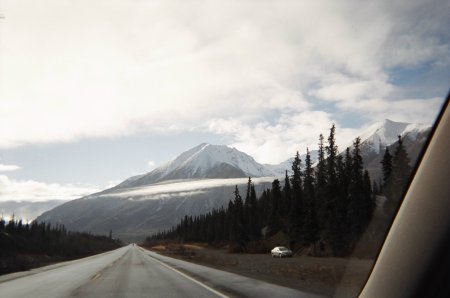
point(203, 178)
point(206, 161)
point(377, 137)
point(194, 182)
point(382, 134)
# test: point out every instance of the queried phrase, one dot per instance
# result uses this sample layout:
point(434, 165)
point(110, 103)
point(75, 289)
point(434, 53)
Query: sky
point(93, 92)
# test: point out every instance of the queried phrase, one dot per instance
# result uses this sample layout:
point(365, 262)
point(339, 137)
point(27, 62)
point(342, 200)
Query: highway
point(134, 272)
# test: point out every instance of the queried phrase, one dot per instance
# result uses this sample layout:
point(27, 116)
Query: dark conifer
point(386, 166)
point(356, 190)
point(287, 197)
point(274, 221)
point(237, 234)
point(333, 228)
point(295, 216)
point(399, 178)
point(311, 228)
point(321, 183)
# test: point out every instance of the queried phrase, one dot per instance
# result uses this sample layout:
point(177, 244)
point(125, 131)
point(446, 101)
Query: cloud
point(166, 190)
point(257, 72)
point(34, 191)
point(8, 168)
point(27, 211)
point(151, 164)
point(275, 142)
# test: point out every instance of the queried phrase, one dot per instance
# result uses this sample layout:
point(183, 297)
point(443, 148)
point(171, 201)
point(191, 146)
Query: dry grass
point(193, 246)
point(319, 275)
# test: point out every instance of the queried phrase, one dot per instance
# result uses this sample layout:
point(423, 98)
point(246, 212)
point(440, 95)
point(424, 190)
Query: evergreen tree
point(311, 228)
point(264, 208)
point(386, 166)
point(321, 183)
point(295, 218)
point(369, 198)
point(229, 221)
point(274, 222)
point(247, 206)
point(333, 229)
point(356, 190)
point(399, 178)
point(237, 234)
point(252, 227)
point(343, 170)
point(287, 197)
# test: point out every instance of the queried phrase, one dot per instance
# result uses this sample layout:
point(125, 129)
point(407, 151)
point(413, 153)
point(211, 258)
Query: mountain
point(205, 161)
point(200, 179)
point(382, 134)
point(192, 183)
point(377, 137)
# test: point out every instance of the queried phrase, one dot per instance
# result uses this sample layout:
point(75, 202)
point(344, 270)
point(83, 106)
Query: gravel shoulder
point(342, 277)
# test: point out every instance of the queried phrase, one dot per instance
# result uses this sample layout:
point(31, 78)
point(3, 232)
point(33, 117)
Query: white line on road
point(188, 277)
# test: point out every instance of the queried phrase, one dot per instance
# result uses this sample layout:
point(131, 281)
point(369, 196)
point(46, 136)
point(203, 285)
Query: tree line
point(18, 238)
point(328, 205)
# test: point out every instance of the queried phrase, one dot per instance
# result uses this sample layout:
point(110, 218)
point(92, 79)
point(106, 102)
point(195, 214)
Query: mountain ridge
point(138, 213)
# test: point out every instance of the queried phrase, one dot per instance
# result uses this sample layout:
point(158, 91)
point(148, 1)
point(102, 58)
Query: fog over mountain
point(198, 180)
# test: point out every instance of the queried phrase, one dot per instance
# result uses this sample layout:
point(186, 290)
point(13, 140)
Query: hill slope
point(200, 179)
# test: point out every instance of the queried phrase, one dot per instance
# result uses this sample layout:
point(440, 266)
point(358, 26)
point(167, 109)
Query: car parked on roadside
point(281, 251)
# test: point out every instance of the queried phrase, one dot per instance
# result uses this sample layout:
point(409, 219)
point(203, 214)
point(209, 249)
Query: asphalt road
point(134, 272)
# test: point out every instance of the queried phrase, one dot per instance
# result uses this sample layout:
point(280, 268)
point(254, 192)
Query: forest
point(323, 208)
point(24, 246)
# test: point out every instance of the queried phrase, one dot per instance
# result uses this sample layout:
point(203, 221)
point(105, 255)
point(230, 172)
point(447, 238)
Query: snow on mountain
point(206, 156)
point(205, 178)
point(207, 161)
point(382, 134)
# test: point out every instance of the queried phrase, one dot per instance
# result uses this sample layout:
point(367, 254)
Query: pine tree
point(251, 212)
point(321, 183)
point(343, 171)
point(247, 206)
point(264, 209)
point(333, 229)
point(229, 221)
point(356, 190)
point(369, 199)
point(295, 217)
point(399, 178)
point(311, 228)
point(287, 197)
point(237, 234)
point(386, 166)
point(274, 221)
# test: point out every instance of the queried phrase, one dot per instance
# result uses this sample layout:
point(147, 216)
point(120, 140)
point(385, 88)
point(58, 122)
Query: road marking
point(190, 278)
point(96, 276)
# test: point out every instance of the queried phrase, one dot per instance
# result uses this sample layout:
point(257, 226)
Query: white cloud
point(275, 142)
point(250, 70)
point(151, 164)
point(27, 211)
point(165, 190)
point(8, 168)
point(34, 191)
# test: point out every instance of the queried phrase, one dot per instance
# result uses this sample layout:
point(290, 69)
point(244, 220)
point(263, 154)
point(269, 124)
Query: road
point(134, 272)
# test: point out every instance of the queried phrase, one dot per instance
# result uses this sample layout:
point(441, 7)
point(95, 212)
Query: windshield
point(157, 136)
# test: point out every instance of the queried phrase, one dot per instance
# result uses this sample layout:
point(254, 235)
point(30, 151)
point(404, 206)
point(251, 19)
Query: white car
point(281, 251)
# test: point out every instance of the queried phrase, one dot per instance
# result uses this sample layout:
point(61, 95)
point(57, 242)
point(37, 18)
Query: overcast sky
point(92, 92)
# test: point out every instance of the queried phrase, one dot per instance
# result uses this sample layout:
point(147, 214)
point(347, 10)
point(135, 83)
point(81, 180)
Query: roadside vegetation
point(324, 209)
point(25, 246)
point(312, 274)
